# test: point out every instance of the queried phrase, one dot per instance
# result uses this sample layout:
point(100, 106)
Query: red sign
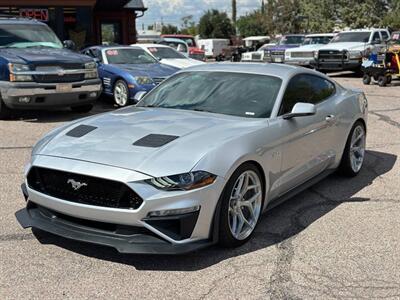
point(41, 14)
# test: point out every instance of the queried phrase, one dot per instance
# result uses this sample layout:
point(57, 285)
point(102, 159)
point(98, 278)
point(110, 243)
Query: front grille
point(302, 54)
point(256, 56)
point(65, 66)
point(278, 53)
point(332, 55)
point(158, 80)
point(83, 189)
point(59, 79)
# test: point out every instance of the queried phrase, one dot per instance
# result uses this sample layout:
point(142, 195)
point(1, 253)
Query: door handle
point(330, 119)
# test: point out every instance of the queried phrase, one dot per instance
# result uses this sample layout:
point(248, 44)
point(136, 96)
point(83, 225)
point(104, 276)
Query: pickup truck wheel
point(83, 109)
point(5, 112)
point(121, 93)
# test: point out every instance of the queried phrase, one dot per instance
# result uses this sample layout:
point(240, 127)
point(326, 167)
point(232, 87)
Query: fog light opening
point(24, 99)
point(172, 212)
point(93, 95)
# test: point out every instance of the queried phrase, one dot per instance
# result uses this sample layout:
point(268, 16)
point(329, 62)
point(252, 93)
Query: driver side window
point(307, 89)
point(376, 37)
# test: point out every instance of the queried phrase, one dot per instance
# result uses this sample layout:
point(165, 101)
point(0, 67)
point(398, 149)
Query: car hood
point(37, 56)
point(344, 46)
point(112, 141)
point(282, 47)
point(181, 63)
point(150, 70)
point(307, 48)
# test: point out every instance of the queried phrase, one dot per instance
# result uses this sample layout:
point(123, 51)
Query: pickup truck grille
point(332, 55)
point(83, 189)
point(59, 79)
point(278, 53)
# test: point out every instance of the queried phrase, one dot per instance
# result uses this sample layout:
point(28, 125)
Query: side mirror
point(301, 110)
point(139, 96)
point(68, 44)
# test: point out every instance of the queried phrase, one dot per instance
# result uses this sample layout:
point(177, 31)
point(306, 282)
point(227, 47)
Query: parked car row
point(38, 71)
point(324, 52)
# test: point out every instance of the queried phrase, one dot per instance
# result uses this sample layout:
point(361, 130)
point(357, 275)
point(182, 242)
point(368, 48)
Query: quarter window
point(308, 89)
point(376, 37)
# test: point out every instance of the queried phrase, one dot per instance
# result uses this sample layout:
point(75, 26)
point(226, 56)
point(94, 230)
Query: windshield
point(317, 40)
point(120, 56)
point(360, 37)
point(26, 36)
point(165, 53)
point(291, 40)
point(237, 94)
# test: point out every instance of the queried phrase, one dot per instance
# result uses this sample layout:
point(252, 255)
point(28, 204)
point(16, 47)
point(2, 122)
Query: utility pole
point(234, 14)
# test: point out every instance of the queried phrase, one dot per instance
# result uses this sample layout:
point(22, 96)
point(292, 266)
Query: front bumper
point(337, 65)
point(305, 62)
point(162, 235)
point(49, 95)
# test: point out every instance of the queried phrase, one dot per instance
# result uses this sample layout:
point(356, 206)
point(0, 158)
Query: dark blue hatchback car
point(127, 70)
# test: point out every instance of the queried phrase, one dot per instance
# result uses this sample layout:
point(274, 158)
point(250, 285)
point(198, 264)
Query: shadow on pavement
point(102, 105)
point(276, 226)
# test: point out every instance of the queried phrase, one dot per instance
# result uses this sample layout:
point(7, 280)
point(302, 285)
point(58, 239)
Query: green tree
point(188, 26)
point(252, 24)
point(169, 29)
point(392, 19)
point(215, 24)
point(322, 15)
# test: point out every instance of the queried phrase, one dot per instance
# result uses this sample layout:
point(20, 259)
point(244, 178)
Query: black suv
point(38, 72)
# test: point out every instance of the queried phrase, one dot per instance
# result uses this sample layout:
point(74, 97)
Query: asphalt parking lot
point(339, 239)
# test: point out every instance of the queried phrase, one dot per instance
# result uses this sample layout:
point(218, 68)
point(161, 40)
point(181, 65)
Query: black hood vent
point(155, 140)
point(80, 131)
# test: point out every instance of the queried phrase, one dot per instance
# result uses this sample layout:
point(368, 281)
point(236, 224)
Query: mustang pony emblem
point(76, 185)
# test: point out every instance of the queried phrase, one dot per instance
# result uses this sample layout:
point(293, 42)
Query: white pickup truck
point(347, 49)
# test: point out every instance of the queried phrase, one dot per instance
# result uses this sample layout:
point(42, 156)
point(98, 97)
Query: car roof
point(278, 70)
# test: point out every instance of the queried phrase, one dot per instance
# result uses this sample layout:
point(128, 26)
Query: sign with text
point(41, 14)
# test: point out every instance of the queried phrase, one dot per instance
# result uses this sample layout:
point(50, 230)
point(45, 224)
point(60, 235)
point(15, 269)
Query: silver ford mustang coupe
point(197, 160)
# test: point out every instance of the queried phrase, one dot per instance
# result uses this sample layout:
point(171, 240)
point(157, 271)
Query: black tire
point(382, 80)
point(345, 167)
point(5, 112)
point(389, 79)
point(125, 85)
point(226, 238)
point(83, 109)
point(366, 79)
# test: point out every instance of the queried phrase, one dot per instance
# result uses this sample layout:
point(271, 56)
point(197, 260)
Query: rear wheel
point(82, 109)
point(121, 93)
point(389, 79)
point(242, 202)
point(354, 152)
point(366, 79)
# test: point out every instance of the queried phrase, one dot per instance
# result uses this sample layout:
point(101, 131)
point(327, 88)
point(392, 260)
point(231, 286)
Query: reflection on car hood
point(306, 48)
point(344, 46)
point(181, 63)
point(150, 70)
point(38, 56)
point(111, 143)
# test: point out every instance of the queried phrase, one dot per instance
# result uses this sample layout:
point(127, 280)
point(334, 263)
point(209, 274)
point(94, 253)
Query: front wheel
point(242, 202)
point(121, 93)
point(366, 79)
point(354, 152)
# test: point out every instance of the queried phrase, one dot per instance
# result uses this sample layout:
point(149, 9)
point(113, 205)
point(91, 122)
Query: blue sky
point(171, 11)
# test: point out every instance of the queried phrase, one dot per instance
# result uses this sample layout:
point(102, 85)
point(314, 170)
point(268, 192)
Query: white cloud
point(171, 11)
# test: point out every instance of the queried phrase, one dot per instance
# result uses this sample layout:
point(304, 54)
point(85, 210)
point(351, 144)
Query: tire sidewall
point(127, 90)
point(226, 238)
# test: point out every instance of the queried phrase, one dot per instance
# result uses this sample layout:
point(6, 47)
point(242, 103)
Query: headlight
point(355, 54)
point(16, 68)
point(91, 65)
point(288, 54)
point(316, 54)
point(267, 53)
point(183, 182)
point(143, 80)
point(91, 75)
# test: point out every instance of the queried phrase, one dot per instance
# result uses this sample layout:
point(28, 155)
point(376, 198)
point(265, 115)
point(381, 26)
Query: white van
point(213, 47)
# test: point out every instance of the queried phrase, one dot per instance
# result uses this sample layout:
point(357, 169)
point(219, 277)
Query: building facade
point(86, 22)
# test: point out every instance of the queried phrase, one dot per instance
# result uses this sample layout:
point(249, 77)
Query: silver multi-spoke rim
point(120, 94)
point(357, 148)
point(245, 205)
